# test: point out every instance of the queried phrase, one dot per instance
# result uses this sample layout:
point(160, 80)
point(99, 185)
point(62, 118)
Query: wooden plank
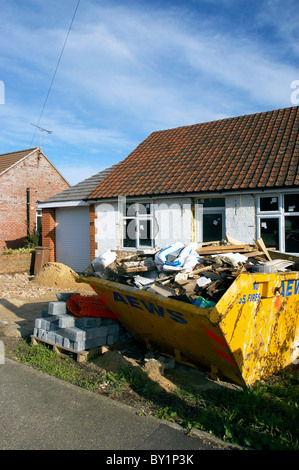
point(234, 241)
point(211, 250)
point(260, 244)
point(81, 356)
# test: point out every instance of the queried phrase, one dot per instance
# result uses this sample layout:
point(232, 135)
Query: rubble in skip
point(196, 273)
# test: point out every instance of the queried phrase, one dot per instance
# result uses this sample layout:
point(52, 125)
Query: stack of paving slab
point(60, 327)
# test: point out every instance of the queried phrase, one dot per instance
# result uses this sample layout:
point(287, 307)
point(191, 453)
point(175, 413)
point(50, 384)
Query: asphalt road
point(40, 412)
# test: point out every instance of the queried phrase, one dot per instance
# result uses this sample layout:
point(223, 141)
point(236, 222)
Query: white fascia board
point(50, 205)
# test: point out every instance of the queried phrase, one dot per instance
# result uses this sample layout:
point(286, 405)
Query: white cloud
point(128, 70)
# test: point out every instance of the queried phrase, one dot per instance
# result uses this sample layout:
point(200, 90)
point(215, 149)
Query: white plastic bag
point(162, 255)
point(104, 260)
point(185, 260)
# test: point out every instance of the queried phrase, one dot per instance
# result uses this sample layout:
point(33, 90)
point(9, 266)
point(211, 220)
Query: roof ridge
point(227, 119)
point(19, 151)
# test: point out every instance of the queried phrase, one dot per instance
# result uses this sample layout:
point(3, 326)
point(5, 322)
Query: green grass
point(44, 359)
point(263, 417)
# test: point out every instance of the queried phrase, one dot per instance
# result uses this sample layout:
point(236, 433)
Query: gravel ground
point(22, 286)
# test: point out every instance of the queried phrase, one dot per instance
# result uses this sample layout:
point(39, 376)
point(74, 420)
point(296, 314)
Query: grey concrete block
point(51, 336)
point(66, 343)
point(57, 308)
point(49, 325)
point(66, 321)
point(73, 333)
point(91, 343)
point(64, 296)
point(112, 339)
point(108, 321)
point(97, 332)
point(41, 334)
point(59, 340)
point(87, 322)
point(38, 322)
point(113, 329)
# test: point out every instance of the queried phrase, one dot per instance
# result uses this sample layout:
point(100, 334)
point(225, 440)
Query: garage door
point(72, 237)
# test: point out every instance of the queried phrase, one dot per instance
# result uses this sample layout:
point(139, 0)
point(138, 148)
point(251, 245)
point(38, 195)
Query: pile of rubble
point(197, 274)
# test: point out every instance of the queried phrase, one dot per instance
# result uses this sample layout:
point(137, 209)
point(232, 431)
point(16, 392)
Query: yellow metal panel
point(261, 325)
point(250, 333)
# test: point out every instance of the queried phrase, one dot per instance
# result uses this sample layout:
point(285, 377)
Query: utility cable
point(58, 63)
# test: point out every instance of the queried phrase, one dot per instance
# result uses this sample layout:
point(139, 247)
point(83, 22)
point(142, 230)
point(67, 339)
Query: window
point(210, 216)
point(278, 221)
point(137, 225)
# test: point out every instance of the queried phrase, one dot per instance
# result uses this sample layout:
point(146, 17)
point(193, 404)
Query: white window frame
point(137, 217)
point(200, 211)
point(280, 214)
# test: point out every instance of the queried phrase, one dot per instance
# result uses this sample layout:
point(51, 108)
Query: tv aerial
point(41, 130)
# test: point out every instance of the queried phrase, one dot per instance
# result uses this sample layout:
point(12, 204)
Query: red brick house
point(26, 177)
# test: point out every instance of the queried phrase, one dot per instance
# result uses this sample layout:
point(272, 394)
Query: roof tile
point(245, 152)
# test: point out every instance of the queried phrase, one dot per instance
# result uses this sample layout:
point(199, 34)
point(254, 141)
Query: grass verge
point(262, 417)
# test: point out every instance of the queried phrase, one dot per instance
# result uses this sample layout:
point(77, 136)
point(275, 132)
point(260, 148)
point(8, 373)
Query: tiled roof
point(7, 160)
point(241, 153)
point(81, 190)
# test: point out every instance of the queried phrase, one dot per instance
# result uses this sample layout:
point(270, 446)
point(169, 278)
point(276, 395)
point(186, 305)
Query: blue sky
point(133, 67)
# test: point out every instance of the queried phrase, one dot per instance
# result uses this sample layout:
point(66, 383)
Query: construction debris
point(197, 273)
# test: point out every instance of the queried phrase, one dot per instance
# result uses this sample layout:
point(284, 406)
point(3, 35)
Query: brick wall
point(48, 231)
point(36, 173)
point(17, 263)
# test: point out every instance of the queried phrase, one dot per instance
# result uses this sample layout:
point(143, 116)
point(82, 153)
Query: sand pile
point(57, 275)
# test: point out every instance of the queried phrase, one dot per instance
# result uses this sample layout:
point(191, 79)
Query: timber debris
point(198, 273)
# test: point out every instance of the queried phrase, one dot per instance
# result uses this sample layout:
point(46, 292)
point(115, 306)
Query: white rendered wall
point(173, 221)
point(107, 227)
point(240, 221)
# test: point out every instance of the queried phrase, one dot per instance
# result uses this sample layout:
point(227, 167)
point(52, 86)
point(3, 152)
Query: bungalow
point(236, 176)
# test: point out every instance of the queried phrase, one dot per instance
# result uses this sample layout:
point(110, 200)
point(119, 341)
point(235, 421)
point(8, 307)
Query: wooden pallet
point(81, 356)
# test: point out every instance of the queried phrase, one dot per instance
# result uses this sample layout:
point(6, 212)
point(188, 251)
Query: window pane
point(212, 227)
point(270, 232)
point(269, 203)
point(129, 233)
point(130, 210)
point(292, 234)
point(291, 203)
point(145, 233)
point(144, 208)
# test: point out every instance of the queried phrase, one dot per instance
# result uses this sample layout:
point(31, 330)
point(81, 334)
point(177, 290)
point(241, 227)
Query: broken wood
point(211, 250)
point(261, 245)
point(234, 241)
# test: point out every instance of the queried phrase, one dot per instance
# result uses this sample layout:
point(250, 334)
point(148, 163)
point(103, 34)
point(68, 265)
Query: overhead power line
point(55, 72)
